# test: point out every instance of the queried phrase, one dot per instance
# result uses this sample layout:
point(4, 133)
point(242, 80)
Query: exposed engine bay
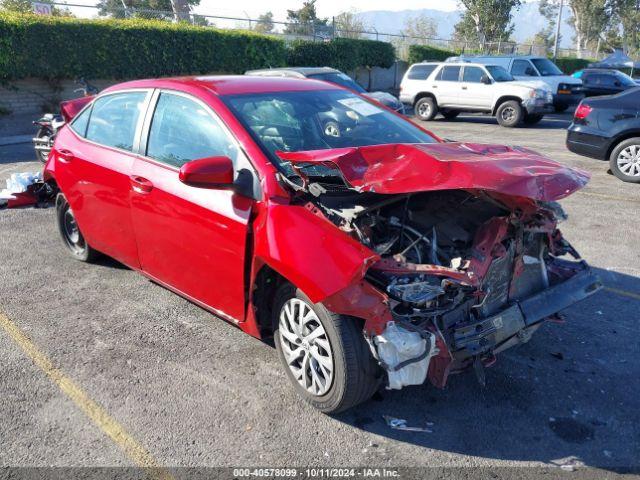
point(467, 274)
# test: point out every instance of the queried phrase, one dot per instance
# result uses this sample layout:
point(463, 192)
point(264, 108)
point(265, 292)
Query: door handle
point(464, 88)
point(140, 184)
point(434, 86)
point(65, 156)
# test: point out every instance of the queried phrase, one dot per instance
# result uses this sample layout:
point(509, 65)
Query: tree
point(265, 23)
point(626, 14)
point(416, 30)
point(546, 37)
point(486, 20)
point(305, 21)
point(159, 9)
point(349, 25)
point(590, 18)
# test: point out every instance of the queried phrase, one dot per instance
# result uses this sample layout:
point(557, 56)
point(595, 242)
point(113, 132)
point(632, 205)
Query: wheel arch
point(502, 99)
point(422, 95)
point(621, 138)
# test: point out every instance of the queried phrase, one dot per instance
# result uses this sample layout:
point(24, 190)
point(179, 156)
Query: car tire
point(532, 119)
point(70, 232)
point(426, 108)
point(510, 113)
point(350, 373)
point(450, 114)
point(624, 160)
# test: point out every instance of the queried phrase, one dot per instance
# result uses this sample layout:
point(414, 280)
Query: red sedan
point(375, 254)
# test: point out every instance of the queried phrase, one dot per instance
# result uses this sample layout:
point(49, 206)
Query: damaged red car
point(374, 253)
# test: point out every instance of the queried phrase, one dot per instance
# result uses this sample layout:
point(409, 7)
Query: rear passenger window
point(420, 72)
point(472, 74)
point(80, 122)
point(114, 118)
point(449, 74)
point(183, 130)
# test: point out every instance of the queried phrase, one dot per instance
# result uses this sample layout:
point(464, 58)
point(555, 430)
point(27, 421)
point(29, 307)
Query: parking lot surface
point(101, 367)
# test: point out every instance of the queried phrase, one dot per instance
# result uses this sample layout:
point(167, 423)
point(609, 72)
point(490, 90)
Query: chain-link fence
point(322, 32)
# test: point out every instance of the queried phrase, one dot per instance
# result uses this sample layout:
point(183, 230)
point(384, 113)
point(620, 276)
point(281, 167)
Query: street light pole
point(555, 40)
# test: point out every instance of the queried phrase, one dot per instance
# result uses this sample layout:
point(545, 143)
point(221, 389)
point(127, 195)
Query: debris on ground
point(25, 189)
point(401, 424)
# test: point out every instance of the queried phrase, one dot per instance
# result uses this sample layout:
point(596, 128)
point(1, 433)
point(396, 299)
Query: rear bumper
point(516, 323)
point(586, 143)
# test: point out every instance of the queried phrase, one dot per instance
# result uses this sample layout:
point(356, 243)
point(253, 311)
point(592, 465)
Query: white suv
point(451, 88)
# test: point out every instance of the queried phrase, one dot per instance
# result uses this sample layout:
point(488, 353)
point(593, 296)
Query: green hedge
point(59, 47)
point(342, 53)
point(419, 53)
point(569, 65)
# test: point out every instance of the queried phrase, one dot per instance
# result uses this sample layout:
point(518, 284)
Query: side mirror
point(210, 172)
point(485, 79)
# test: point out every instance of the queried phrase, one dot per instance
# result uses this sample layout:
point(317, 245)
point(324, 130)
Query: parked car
point(608, 128)
point(332, 75)
point(600, 81)
point(451, 88)
point(379, 257)
point(565, 89)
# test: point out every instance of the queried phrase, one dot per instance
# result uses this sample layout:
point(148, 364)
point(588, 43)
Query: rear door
point(94, 161)
point(474, 93)
point(446, 85)
point(191, 239)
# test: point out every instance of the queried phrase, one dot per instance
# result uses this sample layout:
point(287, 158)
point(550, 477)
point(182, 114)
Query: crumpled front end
point(462, 276)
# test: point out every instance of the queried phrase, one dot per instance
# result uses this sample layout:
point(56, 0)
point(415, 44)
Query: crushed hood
point(407, 168)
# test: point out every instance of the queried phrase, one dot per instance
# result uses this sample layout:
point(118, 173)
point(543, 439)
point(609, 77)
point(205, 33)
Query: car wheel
point(510, 113)
point(426, 108)
point(70, 232)
point(325, 355)
point(625, 160)
point(532, 119)
point(450, 114)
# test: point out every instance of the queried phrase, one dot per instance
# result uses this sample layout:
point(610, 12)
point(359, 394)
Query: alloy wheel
point(628, 161)
point(508, 114)
point(306, 347)
point(424, 109)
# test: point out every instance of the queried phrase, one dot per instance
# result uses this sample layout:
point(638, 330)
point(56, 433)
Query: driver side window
point(523, 68)
point(183, 130)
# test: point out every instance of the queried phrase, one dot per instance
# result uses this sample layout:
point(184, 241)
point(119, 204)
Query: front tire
point(325, 355)
point(426, 108)
point(625, 160)
point(510, 113)
point(70, 232)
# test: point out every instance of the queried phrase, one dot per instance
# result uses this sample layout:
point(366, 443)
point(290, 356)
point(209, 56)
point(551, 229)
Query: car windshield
point(499, 74)
point(546, 67)
point(319, 120)
point(339, 79)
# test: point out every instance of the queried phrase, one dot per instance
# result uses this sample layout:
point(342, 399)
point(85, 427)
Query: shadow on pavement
point(568, 396)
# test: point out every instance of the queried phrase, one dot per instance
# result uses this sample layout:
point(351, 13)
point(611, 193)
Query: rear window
point(420, 72)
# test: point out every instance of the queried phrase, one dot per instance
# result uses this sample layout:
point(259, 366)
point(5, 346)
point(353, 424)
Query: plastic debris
point(19, 190)
point(401, 424)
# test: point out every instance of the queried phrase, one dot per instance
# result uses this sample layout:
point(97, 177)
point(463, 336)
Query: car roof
point(229, 84)
point(304, 71)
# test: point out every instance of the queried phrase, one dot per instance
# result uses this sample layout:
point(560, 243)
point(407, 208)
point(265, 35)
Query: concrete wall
point(38, 96)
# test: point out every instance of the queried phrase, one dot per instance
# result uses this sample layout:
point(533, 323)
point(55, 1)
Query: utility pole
point(555, 40)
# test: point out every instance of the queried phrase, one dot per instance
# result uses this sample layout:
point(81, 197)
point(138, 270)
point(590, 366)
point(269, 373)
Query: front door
point(474, 93)
point(191, 239)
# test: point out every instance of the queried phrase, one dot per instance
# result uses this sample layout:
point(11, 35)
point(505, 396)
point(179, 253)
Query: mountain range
point(527, 21)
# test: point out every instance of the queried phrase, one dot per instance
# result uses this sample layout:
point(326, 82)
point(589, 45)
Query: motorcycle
point(51, 123)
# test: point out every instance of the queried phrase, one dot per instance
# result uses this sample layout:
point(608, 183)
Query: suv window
point(114, 118)
point(80, 122)
point(449, 73)
point(472, 74)
point(420, 72)
point(523, 68)
point(183, 130)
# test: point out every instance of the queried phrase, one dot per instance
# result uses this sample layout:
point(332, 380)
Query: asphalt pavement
point(101, 367)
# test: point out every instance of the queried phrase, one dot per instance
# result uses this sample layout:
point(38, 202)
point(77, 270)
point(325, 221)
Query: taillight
point(582, 112)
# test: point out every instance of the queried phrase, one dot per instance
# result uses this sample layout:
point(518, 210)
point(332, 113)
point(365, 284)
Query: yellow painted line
point(95, 412)
point(623, 292)
point(609, 197)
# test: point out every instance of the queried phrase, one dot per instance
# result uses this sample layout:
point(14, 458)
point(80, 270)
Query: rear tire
point(71, 234)
point(625, 160)
point(426, 108)
point(450, 114)
point(510, 114)
point(332, 371)
point(532, 119)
